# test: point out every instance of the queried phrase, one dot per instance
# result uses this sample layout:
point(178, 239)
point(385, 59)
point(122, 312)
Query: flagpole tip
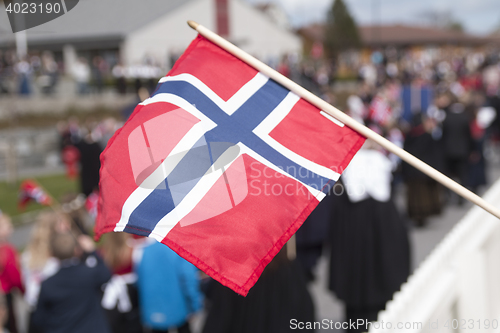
point(193, 24)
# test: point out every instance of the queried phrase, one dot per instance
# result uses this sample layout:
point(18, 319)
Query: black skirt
point(423, 198)
point(370, 256)
point(279, 296)
point(126, 322)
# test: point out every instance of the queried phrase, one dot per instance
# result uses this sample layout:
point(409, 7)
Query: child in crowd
point(10, 275)
point(120, 294)
point(69, 301)
point(168, 287)
point(36, 261)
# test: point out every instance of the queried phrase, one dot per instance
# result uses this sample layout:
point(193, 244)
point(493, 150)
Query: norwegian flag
point(221, 164)
point(31, 190)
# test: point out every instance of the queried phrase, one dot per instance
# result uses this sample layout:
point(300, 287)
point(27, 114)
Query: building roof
point(314, 32)
point(495, 36)
point(93, 20)
point(399, 35)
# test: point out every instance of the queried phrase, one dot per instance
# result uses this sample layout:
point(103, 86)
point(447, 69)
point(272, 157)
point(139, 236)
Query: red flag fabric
point(221, 164)
point(30, 190)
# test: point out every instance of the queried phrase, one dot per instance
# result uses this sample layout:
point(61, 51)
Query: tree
point(455, 26)
point(341, 32)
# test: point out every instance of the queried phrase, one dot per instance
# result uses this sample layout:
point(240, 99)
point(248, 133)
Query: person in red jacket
point(10, 274)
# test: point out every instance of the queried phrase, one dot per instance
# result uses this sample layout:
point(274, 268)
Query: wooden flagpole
point(347, 120)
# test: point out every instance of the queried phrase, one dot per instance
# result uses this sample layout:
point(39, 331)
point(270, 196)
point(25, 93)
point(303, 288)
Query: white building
point(155, 28)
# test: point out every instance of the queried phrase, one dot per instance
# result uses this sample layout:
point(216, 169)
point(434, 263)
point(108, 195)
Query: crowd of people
point(445, 119)
point(127, 283)
point(19, 75)
point(81, 144)
point(42, 72)
point(441, 107)
point(71, 285)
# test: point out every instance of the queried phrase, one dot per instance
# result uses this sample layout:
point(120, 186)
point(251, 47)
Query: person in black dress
point(457, 142)
point(370, 255)
point(279, 296)
point(423, 192)
point(90, 164)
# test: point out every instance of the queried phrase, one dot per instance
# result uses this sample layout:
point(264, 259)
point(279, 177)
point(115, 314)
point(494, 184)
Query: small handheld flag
point(31, 190)
point(222, 164)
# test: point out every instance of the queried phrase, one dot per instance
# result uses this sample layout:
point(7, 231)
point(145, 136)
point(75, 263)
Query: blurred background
point(425, 74)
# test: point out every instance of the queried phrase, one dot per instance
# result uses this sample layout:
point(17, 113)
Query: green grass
point(56, 185)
